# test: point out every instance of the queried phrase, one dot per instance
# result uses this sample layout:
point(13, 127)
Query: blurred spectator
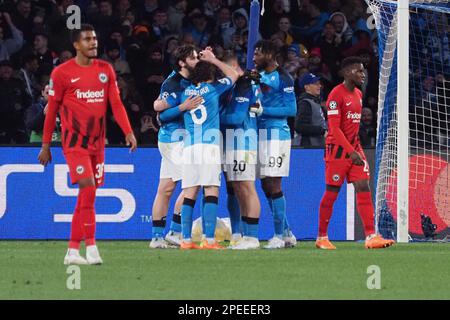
point(269, 23)
point(317, 20)
point(13, 101)
point(104, 20)
point(343, 30)
point(44, 54)
point(316, 65)
point(331, 46)
point(147, 133)
point(116, 35)
point(160, 25)
point(148, 9)
point(9, 46)
point(176, 13)
point(35, 116)
point(154, 71)
point(224, 27)
point(171, 44)
point(28, 75)
point(367, 131)
point(199, 30)
point(310, 122)
point(63, 56)
point(292, 62)
point(284, 25)
point(113, 57)
point(23, 19)
point(211, 8)
point(131, 99)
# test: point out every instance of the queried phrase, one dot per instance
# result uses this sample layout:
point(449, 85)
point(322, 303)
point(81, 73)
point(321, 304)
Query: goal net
point(412, 157)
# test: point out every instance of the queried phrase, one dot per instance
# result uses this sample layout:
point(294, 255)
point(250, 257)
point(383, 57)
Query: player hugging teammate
point(239, 110)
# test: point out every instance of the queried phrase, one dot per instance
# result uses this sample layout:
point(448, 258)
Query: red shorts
point(86, 166)
point(338, 170)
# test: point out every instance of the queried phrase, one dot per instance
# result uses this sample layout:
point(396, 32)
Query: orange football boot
point(378, 242)
point(214, 246)
point(188, 245)
point(324, 243)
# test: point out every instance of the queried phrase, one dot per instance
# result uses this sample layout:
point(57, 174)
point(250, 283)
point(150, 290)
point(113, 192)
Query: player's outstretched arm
point(208, 55)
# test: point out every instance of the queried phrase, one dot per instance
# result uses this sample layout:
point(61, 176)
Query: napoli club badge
point(103, 77)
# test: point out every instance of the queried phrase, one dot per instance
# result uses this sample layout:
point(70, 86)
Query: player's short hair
point(76, 33)
point(181, 54)
point(229, 55)
point(349, 61)
point(267, 47)
point(203, 71)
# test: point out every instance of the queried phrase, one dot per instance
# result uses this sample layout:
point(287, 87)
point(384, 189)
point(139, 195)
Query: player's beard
point(189, 69)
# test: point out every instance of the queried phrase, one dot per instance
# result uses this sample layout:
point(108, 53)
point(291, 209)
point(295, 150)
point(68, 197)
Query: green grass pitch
point(35, 270)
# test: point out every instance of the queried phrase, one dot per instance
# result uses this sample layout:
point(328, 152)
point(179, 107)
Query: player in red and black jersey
point(80, 90)
point(344, 156)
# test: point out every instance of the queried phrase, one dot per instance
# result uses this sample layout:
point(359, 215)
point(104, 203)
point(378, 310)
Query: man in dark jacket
point(310, 122)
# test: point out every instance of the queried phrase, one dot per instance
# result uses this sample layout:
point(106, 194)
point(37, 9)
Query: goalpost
point(412, 157)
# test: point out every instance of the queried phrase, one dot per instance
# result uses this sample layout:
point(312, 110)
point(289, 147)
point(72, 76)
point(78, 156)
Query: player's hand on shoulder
point(191, 102)
point(356, 158)
point(131, 141)
point(45, 155)
point(160, 105)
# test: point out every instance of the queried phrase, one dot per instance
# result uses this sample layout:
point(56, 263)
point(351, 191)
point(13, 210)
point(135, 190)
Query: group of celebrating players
point(236, 124)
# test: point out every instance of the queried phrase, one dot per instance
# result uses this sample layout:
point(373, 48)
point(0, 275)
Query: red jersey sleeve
point(117, 106)
point(334, 113)
point(55, 97)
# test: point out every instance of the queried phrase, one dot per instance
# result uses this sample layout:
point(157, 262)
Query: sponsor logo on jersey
point(80, 169)
point(289, 89)
point(355, 116)
point(91, 96)
point(103, 77)
point(242, 99)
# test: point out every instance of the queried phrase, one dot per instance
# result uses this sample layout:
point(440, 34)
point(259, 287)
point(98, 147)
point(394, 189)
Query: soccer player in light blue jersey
point(202, 147)
point(171, 149)
point(239, 130)
point(277, 104)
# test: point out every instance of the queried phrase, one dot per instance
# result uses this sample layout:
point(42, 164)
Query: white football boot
point(174, 238)
point(246, 243)
point(275, 243)
point(159, 243)
point(93, 256)
point(290, 240)
point(73, 257)
point(235, 238)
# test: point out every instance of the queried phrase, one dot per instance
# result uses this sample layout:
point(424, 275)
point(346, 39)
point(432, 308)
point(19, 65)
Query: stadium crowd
point(138, 38)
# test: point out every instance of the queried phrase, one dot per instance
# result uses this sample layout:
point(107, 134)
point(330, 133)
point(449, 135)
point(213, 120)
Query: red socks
point(364, 205)
point(83, 221)
point(76, 231)
point(325, 211)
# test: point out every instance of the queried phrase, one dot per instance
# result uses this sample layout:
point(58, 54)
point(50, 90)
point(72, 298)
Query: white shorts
point(171, 160)
point(240, 165)
point(273, 158)
point(201, 165)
